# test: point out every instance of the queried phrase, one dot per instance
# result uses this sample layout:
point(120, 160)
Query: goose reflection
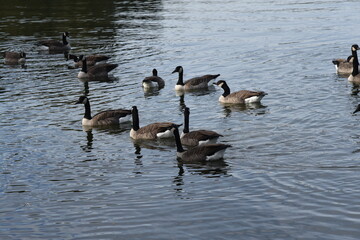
point(196, 92)
point(138, 162)
point(182, 104)
point(89, 143)
point(178, 180)
point(229, 108)
point(149, 92)
point(153, 144)
point(208, 169)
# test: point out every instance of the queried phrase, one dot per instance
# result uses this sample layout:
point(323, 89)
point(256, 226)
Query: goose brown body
point(239, 97)
point(14, 57)
point(153, 81)
point(99, 70)
point(150, 131)
point(343, 66)
point(194, 83)
point(109, 117)
point(196, 137)
point(55, 45)
point(209, 152)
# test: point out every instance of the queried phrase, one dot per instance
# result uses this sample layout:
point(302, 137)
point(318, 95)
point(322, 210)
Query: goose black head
point(220, 83)
point(178, 69)
point(23, 55)
point(355, 47)
point(154, 72)
point(66, 34)
point(82, 100)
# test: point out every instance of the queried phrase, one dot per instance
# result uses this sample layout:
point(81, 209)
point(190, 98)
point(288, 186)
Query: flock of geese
point(202, 144)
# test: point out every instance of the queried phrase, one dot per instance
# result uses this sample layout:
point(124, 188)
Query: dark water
point(293, 170)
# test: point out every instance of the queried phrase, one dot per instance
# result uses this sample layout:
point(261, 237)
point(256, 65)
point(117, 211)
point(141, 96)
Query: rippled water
point(292, 171)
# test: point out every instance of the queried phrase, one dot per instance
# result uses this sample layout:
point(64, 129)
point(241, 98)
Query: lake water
point(293, 171)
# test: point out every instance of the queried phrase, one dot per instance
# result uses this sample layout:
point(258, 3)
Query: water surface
point(292, 171)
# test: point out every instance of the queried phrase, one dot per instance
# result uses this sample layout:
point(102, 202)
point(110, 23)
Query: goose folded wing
point(202, 135)
point(198, 80)
point(243, 94)
point(118, 113)
point(51, 43)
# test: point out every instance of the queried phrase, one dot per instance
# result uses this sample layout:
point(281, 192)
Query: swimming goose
point(193, 83)
point(151, 131)
point(243, 96)
point(355, 76)
point(91, 60)
point(99, 70)
point(109, 117)
point(14, 57)
point(55, 45)
point(209, 152)
point(343, 66)
point(198, 137)
point(153, 81)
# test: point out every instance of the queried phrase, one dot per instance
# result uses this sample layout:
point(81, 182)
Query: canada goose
point(14, 57)
point(99, 70)
point(109, 117)
point(355, 76)
point(343, 66)
point(55, 45)
point(91, 60)
point(193, 83)
point(151, 131)
point(209, 152)
point(243, 96)
point(198, 137)
point(153, 81)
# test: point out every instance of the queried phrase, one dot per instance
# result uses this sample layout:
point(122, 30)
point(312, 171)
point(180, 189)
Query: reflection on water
point(208, 169)
point(230, 108)
point(89, 142)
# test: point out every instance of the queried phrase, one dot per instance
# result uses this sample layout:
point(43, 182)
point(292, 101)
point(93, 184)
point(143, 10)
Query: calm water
point(293, 170)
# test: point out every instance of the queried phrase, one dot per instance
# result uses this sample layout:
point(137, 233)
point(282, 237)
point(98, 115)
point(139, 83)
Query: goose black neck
point(181, 79)
point(186, 120)
point(226, 89)
point(179, 147)
point(87, 114)
point(64, 40)
point(355, 70)
point(84, 66)
point(135, 119)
